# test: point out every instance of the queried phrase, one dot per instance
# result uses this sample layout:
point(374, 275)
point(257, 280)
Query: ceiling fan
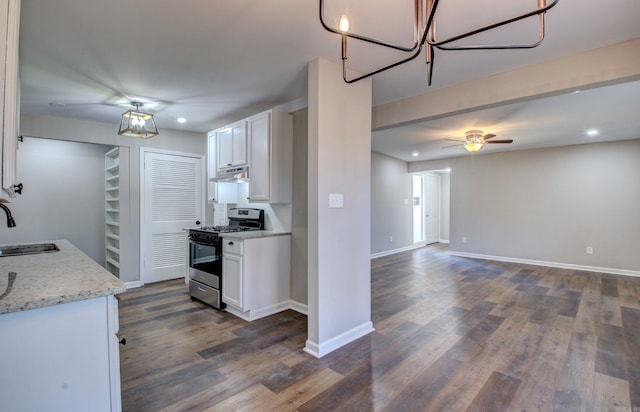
point(475, 140)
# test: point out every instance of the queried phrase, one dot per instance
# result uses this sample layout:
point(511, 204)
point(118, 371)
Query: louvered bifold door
point(172, 200)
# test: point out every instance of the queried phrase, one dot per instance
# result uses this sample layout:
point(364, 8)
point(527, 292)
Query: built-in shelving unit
point(112, 210)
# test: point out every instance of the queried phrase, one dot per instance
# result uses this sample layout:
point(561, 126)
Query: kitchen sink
point(18, 250)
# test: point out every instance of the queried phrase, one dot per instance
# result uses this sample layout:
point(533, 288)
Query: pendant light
point(136, 123)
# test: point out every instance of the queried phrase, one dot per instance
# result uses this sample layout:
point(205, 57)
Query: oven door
point(205, 262)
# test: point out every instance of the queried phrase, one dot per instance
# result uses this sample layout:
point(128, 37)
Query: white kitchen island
point(58, 321)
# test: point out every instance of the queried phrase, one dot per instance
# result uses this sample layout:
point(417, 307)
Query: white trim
point(133, 284)
point(394, 251)
point(319, 350)
point(445, 241)
point(255, 314)
point(298, 307)
point(624, 272)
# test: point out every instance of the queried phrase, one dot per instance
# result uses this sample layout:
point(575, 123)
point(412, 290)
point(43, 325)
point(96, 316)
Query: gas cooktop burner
point(226, 229)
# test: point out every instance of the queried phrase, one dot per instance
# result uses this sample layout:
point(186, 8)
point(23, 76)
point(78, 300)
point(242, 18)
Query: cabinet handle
point(123, 341)
point(230, 243)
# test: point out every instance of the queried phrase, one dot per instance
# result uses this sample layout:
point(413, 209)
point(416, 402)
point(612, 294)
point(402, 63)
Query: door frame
point(142, 204)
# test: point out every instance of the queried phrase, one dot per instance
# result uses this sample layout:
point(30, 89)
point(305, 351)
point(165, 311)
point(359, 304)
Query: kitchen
point(340, 168)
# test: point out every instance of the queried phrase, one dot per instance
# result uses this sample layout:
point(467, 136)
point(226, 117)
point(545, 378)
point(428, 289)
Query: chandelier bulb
point(344, 24)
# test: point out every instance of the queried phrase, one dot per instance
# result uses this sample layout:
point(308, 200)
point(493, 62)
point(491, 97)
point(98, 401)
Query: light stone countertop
point(253, 234)
point(48, 279)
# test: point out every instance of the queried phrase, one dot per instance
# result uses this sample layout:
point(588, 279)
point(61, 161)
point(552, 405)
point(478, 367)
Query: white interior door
point(431, 208)
point(172, 198)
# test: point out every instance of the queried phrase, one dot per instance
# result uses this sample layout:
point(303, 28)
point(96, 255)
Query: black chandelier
point(424, 26)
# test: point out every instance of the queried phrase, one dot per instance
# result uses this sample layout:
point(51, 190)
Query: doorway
point(428, 202)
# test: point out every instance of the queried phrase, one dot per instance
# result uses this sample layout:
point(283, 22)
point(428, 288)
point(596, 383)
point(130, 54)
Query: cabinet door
point(212, 192)
point(225, 147)
point(211, 155)
point(212, 187)
point(9, 94)
point(259, 134)
point(232, 145)
point(232, 280)
point(239, 132)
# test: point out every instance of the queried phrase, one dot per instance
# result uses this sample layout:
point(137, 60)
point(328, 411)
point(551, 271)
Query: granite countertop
point(253, 234)
point(48, 279)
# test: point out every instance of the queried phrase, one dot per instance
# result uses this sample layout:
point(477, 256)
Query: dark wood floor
point(452, 334)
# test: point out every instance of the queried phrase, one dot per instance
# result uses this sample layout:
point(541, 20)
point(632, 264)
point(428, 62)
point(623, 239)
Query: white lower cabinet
point(61, 358)
point(256, 275)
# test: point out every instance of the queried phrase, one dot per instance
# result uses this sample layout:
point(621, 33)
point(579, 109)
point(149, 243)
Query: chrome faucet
point(10, 220)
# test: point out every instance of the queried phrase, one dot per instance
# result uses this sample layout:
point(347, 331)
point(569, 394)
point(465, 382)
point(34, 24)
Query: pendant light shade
point(135, 123)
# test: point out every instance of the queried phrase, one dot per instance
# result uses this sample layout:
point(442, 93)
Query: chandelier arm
point(399, 62)
point(380, 70)
point(416, 43)
point(539, 11)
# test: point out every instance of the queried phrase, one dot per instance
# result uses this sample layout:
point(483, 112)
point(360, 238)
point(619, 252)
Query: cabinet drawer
point(232, 246)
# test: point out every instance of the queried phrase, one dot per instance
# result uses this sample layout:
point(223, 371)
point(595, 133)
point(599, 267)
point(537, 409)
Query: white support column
point(339, 270)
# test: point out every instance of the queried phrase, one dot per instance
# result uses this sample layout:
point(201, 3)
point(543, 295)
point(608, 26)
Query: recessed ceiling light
point(181, 120)
point(414, 154)
point(593, 132)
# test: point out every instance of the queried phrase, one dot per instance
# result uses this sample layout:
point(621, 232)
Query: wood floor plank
point(451, 334)
point(609, 391)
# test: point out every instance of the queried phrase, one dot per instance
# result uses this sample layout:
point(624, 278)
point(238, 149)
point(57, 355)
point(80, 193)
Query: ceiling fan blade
point(501, 141)
point(488, 136)
point(453, 140)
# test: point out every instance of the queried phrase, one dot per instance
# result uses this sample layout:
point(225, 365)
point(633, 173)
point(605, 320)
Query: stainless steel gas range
point(205, 254)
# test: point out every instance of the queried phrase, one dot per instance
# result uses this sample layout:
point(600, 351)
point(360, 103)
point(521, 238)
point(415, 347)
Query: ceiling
point(218, 61)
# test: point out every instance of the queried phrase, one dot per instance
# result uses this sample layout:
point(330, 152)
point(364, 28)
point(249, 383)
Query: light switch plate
point(335, 200)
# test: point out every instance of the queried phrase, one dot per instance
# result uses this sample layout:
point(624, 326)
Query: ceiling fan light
point(473, 146)
point(135, 123)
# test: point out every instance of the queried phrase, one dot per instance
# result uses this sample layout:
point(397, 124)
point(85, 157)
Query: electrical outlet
point(589, 250)
point(464, 239)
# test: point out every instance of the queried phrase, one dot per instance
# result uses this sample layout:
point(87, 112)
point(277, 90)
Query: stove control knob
point(197, 222)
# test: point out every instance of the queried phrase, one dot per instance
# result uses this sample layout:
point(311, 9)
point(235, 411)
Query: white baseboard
point(613, 271)
point(320, 349)
point(133, 284)
point(394, 251)
point(445, 241)
point(298, 307)
point(258, 313)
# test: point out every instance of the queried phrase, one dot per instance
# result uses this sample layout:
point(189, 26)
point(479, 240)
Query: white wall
point(106, 134)
point(549, 204)
point(63, 196)
point(299, 205)
point(391, 204)
point(339, 162)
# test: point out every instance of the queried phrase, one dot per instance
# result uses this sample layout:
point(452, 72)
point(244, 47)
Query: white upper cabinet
point(9, 91)
point(212, 186)
point(270, 136)
point(232, 145)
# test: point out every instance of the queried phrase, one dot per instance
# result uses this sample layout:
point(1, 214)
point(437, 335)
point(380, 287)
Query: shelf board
point(112, 236)
point(113, 250)
point(112, 189)
point(112, 223)
point(113, 263)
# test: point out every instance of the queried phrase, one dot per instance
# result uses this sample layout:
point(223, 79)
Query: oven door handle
point(195, 242)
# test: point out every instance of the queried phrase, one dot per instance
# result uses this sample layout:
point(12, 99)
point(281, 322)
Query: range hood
point(233, 174)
